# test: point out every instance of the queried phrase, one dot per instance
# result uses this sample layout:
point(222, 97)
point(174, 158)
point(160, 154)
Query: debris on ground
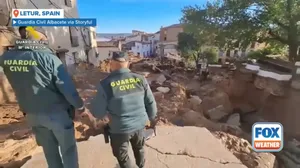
point(182, 100)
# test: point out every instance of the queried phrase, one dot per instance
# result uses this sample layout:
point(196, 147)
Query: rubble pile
point(104, 66)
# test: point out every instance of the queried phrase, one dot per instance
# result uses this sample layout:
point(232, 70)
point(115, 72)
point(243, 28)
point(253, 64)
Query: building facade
point(154, 40)
point(169, 39)
point(142, 49)
point(105, 48)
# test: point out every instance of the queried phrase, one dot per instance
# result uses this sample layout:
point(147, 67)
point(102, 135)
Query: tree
point(237, 23)
point(193, 46)
point(189, 46)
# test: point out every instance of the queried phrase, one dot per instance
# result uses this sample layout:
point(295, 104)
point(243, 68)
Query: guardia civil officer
point(127, 98)
point(23, 32)
point(47, 95)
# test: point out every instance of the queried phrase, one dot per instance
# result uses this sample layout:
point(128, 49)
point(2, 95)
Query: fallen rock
point(214, 98)
point(163, 89)
point(191, 118)
point(195, 103)
point(161, 79)
point(174, 84)
point(216, 113)
point(234, 119)
point(195, 99)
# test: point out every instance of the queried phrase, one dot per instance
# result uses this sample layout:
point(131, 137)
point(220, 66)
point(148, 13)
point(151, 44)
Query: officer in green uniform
point(128, 100)
point(23, 32)
point(47, 95)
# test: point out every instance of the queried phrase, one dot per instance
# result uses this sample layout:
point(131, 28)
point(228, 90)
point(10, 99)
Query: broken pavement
point(177, 150)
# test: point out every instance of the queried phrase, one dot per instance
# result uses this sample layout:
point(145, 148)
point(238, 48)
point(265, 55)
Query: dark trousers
point(120, 143)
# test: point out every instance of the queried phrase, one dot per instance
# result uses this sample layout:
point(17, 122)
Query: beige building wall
point(169, 34)
point(93, 53)
point(104, 52)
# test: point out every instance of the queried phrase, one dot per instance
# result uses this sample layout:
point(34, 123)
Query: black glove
point(71, 112)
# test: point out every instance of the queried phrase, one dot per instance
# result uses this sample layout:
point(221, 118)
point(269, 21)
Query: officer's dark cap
point(119, 56)
point(22, 28)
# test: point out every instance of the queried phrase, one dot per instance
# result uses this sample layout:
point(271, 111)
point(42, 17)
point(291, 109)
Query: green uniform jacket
point(127, 98)
point(39, 79)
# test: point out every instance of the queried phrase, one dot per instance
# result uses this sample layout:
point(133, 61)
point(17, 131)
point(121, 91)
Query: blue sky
point(121, 16)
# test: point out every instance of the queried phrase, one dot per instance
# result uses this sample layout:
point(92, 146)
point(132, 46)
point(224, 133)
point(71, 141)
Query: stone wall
point(270, 93)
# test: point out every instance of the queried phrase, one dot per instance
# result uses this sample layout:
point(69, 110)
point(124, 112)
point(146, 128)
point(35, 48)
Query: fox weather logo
point(267, 137)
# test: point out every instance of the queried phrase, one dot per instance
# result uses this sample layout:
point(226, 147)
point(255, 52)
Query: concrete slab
point(173, 147)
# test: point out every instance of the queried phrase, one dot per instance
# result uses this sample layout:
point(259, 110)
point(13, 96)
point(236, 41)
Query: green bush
point(211, 55)
point(258, 54)
point(264, 52)
point(255, 54)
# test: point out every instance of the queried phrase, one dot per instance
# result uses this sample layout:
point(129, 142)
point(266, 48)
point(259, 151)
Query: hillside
point(109, 35)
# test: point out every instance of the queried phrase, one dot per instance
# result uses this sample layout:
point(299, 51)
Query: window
point(68, 3)
point(75, 56)
point(73, 37)
point(165, 38)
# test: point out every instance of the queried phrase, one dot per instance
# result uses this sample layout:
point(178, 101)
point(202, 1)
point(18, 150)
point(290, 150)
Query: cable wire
point(33, 4)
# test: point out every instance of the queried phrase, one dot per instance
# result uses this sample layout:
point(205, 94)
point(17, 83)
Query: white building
point(154, 39)
point(142, 49)
point(105, 48)
point(78, 43)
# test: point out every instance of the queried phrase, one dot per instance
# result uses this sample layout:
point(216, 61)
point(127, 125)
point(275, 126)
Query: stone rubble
point(161, 79)
point(216, 113)
point(163, 89)
point(234, 119)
